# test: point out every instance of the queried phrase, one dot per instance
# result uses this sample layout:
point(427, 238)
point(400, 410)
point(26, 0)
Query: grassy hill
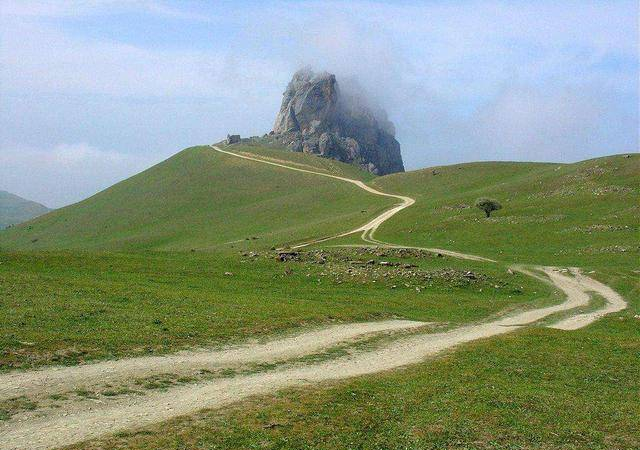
point(76, 302)
point(517, 391)
point(14, 209)
point(106, 303)
point(304, 160)
point(200, 199)
point(585, 214)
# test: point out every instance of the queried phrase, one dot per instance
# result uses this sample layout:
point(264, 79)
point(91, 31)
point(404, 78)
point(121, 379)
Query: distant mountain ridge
point(15, 209)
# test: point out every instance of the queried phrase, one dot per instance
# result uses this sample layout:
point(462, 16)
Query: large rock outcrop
point(317, 117)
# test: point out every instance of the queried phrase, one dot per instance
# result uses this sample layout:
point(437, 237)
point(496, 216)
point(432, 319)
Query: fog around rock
point(321, 117)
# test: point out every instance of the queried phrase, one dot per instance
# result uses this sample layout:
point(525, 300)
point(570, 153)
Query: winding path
point(86, 419)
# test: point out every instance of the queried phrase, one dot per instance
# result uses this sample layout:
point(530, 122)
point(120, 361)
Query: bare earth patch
point(91, 417)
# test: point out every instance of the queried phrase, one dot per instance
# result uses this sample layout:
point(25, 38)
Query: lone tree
point(488, 205)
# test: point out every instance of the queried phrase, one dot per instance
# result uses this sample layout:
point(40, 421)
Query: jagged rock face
point(315, 117)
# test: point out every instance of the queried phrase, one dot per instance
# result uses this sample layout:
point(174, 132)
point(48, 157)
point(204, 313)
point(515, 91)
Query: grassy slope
point(62, 307)
point(305, 161)
point(14, 209)
point(534, 389)
point(200, 199)
point(537, 389)
point(582, 214)
point(83, 303)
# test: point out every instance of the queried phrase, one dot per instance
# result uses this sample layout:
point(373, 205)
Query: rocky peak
point(316, 117)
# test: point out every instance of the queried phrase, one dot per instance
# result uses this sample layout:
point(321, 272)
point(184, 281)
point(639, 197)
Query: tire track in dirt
point(53, 380)
point(90, 420)
point(85, 420)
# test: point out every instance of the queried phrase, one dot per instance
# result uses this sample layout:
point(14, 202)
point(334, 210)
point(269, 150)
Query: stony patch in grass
point(390, 267)
point(76, 307)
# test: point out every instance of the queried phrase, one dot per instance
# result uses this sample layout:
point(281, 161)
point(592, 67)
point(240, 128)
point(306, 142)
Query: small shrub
point(488, 205)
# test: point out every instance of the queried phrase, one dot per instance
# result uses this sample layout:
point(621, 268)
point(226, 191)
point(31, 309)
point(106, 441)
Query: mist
point(132, 84)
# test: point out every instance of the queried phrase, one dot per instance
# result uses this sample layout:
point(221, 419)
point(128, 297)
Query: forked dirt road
point(86, 418)
point(55, 380)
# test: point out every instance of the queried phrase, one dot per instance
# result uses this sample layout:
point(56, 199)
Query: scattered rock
point(598, 228)
point(232, 139)
point(288, 256)
point(459, 206)
point(343, 265)
point(604, 190)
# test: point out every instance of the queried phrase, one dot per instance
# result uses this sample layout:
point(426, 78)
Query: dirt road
point(54, 380)
point(86, 418)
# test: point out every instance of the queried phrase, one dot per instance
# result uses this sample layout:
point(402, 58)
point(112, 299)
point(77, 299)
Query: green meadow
point(201, 199)
point(183, 255)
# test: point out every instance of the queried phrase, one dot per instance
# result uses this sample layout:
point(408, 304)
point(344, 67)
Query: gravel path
point(53, 380)
point(89, 419)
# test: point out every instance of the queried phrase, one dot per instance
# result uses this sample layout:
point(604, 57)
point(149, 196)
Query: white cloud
point(78, 8)
point(523, 123)
point(65, 173)
point(37, 58)
point(462, 81)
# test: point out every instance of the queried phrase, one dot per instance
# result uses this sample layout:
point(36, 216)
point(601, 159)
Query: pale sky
point(94, 91)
